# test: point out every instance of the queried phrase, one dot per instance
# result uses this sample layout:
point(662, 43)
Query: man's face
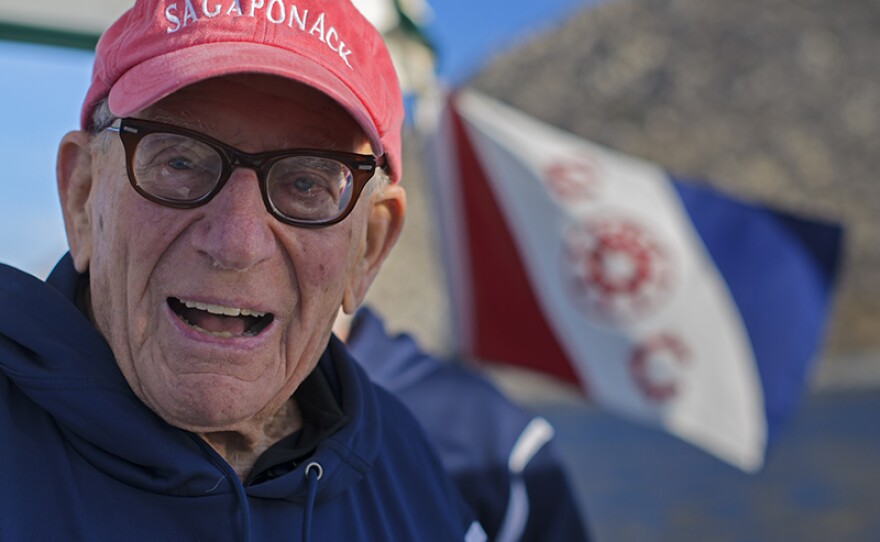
point(148, 263)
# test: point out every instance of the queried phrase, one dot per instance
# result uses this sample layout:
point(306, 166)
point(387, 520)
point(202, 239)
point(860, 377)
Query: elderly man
point(234, 184)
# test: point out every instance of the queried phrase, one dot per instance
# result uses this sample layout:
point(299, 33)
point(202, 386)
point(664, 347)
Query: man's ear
point(383, 228)
point(73, 170)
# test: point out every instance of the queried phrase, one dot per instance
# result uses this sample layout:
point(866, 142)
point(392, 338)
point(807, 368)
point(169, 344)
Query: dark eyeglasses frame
point(132, 130)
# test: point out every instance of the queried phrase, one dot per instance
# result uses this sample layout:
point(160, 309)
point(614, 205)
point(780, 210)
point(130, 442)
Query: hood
point(396, 363)
point(53, 354)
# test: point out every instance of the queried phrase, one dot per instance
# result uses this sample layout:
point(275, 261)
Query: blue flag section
point(665, 301)
point(780, 270)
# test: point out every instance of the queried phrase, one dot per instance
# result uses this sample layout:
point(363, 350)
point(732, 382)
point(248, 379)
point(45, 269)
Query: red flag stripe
point(509, 325)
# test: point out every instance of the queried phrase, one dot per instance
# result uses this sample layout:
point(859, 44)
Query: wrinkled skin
point(230, 252)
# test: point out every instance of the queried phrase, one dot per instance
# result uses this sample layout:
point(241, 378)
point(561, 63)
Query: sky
point(44, 86)
point(39, 103)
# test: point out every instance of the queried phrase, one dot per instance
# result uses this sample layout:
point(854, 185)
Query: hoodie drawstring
point(245, 513)
point(313, 473)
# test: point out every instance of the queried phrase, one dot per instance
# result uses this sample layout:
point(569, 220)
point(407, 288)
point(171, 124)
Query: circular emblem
point(616, 270)
point(572, 179)
point(656, 367)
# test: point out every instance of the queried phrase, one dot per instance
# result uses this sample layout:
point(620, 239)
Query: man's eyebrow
point(314, 142)
point(182, 119)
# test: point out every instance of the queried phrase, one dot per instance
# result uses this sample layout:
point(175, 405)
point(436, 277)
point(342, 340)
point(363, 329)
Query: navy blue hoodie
point(82, 458)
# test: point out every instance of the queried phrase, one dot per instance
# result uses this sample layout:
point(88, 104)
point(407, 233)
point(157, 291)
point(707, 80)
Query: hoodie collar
point(322, 416)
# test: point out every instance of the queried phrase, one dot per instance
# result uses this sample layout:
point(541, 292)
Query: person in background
point(503, 459)
point(234, 182)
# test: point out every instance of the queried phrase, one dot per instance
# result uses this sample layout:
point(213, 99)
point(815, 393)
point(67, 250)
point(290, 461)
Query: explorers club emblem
point(657, 365)
point(616, 270)
point(572, 179)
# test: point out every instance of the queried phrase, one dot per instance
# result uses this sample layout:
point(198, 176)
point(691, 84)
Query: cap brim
point(158, 77)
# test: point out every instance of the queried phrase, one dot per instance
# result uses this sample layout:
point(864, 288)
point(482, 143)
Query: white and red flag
point(666, 302)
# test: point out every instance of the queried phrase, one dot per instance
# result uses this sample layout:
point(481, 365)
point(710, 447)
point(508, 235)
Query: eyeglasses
point(184, 169)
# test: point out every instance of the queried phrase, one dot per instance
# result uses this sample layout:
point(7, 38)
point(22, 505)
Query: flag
point(667, 302)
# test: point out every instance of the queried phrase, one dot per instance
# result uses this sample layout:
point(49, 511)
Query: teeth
point(223, 311)
point(221, 334)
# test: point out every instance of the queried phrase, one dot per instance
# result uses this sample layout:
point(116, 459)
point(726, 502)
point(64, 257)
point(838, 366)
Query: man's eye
point(304, 184)
point(180, 163)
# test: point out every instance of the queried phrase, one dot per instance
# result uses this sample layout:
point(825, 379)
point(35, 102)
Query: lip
point(243, 342)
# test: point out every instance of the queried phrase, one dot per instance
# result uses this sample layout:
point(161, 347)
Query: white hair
point(102, 117)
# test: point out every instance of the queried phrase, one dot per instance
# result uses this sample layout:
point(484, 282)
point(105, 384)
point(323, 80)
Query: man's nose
point(235, 231)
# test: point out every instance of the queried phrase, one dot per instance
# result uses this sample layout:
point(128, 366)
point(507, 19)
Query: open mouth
point(219, 321)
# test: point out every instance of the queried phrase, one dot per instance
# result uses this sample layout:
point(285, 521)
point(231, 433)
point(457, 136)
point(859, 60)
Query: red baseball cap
point(160, 46)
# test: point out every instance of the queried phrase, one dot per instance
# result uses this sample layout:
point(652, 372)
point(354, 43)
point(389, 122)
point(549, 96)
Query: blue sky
point(44, 86)
point(39, 103)
point(468, 32)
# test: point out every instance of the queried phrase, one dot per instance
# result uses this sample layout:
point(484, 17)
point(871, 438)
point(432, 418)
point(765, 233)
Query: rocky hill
point(774, 101)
